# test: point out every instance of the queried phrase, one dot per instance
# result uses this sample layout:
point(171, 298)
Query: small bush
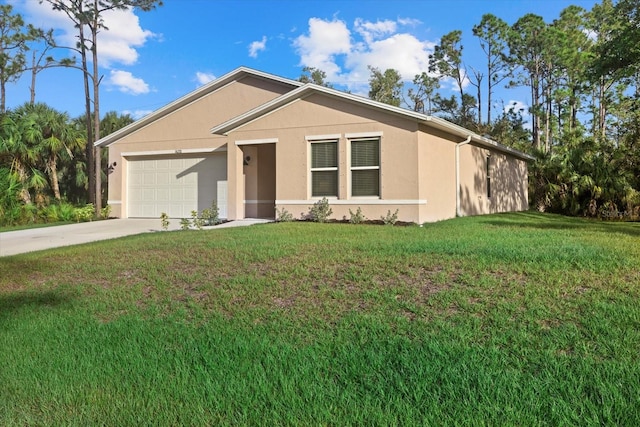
point(66, 212)
point(105, 212)
point(211, 216)
point(185, 224)
point(164, 221)
point(84, 214)
point(390, 218)
point(358, 217)
point(50, 213)
point(283, 215)
point(196, 221)
point(320, 211)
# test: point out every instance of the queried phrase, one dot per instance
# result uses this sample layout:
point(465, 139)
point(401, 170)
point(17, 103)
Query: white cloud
point(127, 83)
point(374, 30)
point(124, 35)
point(402, 52)
point(326, 39)
point(117, 43)
point(137, 114)
point(517, 106)
point(344, 54)
point(204, 78)
point(409, 22)
point(257, 46)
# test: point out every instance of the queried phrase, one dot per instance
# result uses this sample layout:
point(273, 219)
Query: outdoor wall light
point(111, 167)
point(246, 161)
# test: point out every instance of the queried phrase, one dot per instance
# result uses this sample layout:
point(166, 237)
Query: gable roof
point(311, 88)
point(230, 77)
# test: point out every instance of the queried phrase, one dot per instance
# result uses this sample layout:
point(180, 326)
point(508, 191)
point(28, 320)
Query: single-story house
point(253, 142)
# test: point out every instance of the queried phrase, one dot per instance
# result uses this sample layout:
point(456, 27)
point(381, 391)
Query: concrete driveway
point(36, 239)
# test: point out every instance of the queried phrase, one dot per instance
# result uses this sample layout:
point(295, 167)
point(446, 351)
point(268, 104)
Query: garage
point(175, 185)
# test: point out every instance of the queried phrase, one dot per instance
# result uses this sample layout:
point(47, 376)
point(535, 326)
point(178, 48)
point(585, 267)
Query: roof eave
point(481, 140)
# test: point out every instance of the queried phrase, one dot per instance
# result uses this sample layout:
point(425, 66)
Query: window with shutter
point(365, 167)
point(324, 168)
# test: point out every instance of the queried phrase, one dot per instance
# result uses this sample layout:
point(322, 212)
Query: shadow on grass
point(12, 305)
point(558, 222)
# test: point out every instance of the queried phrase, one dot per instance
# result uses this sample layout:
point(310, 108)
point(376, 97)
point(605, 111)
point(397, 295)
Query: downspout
point(458, 145)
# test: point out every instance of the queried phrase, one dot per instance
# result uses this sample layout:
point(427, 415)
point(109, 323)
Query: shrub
point(211, 216)
point(66, 212)
point(164, 221)
point(390, 218)
point(197, 222)
point(84, 213)
point(320, 211)
point(185, 224)
point(283, 215)
point(358, 217)
point(105, 212)
point(50, 213)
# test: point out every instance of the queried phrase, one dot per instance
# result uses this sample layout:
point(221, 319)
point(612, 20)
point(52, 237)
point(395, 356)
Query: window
point(324, 168)
point(365, 167)
point(489, 176)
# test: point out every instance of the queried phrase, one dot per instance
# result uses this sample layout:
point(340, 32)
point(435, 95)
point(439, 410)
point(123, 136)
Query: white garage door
point(175, 185)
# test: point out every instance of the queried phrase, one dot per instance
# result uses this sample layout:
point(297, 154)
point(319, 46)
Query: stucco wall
point(320, 115)
point(188, 128)
point(509, 182)
point(437, 168)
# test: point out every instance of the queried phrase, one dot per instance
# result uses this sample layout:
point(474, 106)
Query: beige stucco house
point(253, 142)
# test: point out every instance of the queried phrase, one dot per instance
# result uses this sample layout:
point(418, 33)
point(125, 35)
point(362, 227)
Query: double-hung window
point(324, 168)
point(365, 167)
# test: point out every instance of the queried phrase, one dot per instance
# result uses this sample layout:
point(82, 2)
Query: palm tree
point(55, 138)
point(17, 136)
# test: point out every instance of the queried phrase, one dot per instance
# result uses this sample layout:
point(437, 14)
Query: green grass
point(514, 319)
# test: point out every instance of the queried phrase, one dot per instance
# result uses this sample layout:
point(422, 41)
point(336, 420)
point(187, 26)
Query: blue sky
point(149, 59)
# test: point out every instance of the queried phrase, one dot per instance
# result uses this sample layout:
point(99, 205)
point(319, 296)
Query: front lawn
point(514, 319)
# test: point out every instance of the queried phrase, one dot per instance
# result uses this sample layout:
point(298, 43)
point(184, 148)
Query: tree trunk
point(602, 110)
point(3, 97)
point(34, 72)
point(96, 113)
point(22, 177)
point(89, 151)
point(547, 120)
point(535, 113)
point(53, 176)
point(574, 108)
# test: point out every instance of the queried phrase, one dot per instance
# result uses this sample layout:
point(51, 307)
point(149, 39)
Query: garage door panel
point(149, 179)
point(163, 178)
point(173, 185)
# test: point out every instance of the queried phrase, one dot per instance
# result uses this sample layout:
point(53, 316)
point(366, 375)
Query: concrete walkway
point(37, 239)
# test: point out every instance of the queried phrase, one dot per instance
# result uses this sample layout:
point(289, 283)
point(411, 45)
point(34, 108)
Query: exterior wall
point(187, 129)
point(509, 182)
point(438, 175)
point(321, 115)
